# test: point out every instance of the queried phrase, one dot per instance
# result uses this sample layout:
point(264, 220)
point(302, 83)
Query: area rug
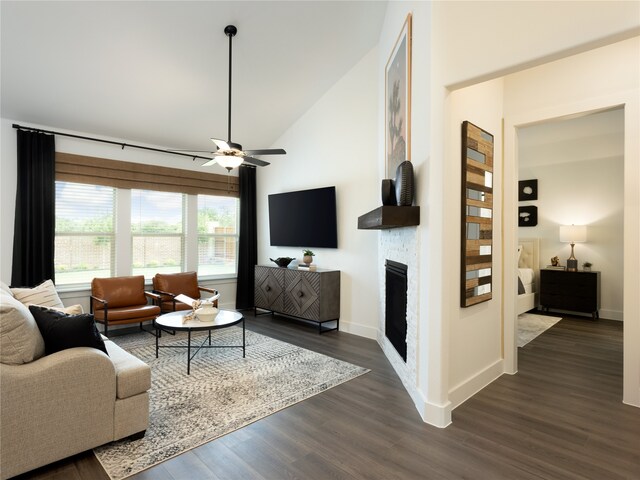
point(531, 325)
point(223, 393)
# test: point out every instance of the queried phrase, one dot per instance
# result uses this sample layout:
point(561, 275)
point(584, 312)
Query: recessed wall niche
point(477, 215)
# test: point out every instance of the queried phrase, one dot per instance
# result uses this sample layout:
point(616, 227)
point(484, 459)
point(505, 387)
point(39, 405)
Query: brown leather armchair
point(170, 285)
point(122, 300)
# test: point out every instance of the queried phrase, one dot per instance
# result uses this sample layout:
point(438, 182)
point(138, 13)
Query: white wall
point(475, 333)
point(8, 178)
point(476, 41)
point(593, 81)
point(580, 181)
point(334, 143)
point(489, 39)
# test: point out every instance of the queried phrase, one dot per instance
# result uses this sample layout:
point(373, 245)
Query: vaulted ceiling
point(156, 72)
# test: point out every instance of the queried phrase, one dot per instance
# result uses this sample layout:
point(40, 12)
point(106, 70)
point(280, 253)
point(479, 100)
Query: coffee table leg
point(189, 353)
point(157, 335)
point(243, 340)
point(209, 337)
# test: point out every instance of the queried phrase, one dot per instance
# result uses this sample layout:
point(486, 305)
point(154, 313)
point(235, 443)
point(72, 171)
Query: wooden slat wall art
point(477, 215)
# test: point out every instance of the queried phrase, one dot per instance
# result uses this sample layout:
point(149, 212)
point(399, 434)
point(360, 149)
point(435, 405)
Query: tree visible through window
point(217, 235)
point(157, 229)
point(85, 232)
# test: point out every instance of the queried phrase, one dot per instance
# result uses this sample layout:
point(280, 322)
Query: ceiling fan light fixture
point(229, 161)
point(230, 154)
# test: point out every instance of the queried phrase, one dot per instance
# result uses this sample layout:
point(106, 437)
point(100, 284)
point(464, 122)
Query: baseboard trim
point(611, 314)
point(359, 329)
point(435, 415)
point(603, 313)
point(632, 400)
point(472, 385)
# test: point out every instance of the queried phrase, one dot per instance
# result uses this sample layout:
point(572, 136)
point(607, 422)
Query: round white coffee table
point(172, 322)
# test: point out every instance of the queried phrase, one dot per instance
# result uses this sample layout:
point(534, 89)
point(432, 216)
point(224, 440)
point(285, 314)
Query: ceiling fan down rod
point(230, 31)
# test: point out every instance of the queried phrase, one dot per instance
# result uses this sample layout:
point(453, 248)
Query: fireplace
point(396, 306)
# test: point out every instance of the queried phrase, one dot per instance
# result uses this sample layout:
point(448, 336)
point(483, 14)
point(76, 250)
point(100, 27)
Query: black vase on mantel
point(388, 192)
point(404, 184)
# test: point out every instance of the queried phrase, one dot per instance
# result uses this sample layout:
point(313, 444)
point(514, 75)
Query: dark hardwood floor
point(560, 417)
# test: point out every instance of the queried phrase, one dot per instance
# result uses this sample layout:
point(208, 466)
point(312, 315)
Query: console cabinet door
point(269, 288)
point(301, 296)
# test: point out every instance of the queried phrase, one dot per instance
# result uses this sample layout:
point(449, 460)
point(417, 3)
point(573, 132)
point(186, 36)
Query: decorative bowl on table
point(282, 261)
point(206, 313)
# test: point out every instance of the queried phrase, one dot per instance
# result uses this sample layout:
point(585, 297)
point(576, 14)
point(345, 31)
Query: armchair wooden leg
point(106, 329)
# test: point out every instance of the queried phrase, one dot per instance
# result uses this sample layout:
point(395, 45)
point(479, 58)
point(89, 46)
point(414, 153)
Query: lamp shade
point(573, 233)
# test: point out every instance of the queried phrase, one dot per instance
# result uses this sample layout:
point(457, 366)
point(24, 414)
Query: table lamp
point(573, 234)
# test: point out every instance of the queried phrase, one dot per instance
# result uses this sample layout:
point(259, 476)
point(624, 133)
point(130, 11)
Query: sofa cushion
point(133, 376)
point(20, 338)
point(61, 331)
point(72, 310)
point(44, 294)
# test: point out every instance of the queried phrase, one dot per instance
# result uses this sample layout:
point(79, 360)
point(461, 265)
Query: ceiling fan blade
point(210, 162)
point(221, 144)
point(268, 151)
point(256, 162)
point(190, 151)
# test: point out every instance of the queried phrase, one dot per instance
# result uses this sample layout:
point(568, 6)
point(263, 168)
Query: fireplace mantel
point(389, 216)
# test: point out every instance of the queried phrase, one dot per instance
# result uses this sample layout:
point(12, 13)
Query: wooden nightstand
point(572, 291)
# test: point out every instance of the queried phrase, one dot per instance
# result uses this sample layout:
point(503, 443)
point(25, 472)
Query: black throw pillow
point(61, 331)
point(521, 289)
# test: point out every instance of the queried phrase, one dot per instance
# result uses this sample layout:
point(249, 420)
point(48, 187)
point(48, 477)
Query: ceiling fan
point(229, 154)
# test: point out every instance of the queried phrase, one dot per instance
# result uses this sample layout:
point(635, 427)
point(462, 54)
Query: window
point(84, 236)
point(217, 235)
point(157, 229)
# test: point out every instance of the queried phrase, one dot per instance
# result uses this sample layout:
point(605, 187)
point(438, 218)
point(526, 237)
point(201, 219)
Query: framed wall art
point(528, 216)
point(527, 190)
point(397, 93)
point(477, 215)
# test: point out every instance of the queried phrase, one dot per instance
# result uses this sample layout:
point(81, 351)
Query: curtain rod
point(121, 144)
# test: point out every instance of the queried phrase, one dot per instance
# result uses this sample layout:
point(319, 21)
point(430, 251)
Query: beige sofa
point(61, 404)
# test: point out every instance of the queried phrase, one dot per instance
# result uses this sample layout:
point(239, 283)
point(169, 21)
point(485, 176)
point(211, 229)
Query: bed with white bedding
point(528, 273)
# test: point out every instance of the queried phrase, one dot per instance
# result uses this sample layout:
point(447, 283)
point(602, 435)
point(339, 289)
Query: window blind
point(114, 173)
point(157, 228)
point(85, 232)
point(217, 235)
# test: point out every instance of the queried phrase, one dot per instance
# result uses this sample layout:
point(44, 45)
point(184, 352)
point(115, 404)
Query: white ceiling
point(592, 136)
point(156, 72)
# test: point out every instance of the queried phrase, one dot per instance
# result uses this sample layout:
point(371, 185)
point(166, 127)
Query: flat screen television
point(306, 218)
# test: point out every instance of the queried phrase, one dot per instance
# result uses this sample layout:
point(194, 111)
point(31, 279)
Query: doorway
point(574, 168)
point(631, 302)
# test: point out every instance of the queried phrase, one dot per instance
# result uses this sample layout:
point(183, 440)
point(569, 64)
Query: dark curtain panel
point(34, 229)
point(248, 244)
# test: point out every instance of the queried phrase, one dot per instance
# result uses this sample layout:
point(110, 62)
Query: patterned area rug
point(223, 393)
point(531, 325)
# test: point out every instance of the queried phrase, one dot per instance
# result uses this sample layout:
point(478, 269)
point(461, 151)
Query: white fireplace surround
point(401, 245)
